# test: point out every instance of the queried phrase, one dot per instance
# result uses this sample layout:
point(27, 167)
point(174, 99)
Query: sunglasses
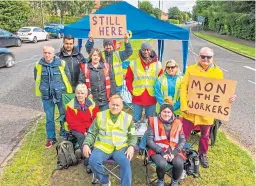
point(171, 67)
point(203, 57)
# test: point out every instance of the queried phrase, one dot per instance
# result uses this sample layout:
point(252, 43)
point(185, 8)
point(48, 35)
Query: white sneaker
point(107, 184)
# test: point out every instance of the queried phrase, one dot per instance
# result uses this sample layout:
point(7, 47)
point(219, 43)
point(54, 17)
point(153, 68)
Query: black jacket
point(97, 80)
point(167, 127)
point(73, 61)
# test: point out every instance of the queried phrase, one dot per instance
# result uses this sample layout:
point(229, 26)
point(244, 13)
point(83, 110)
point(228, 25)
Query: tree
point(147, 7)
point(107, 3)
point(173, 13)
point(14, 14)
point(157, 12)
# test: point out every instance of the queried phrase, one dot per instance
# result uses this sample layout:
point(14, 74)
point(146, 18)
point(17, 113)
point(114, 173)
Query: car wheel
point(9, 60)
point(59, 36)
point(35, 39)
point(18, 43)
point(47, 37)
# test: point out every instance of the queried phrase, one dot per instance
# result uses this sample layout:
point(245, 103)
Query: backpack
point(65, 155)
point(191, 165)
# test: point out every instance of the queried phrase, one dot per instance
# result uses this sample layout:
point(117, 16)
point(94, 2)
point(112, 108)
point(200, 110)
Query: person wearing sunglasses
point(168, 85)
point(207, 68)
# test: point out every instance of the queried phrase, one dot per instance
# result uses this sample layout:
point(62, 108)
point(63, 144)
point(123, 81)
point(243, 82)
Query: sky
point(183, 5)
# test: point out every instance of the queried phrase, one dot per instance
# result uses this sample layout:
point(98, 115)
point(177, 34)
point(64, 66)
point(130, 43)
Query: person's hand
point(90, 96)
point(85, 133)
point(166, 157)
point(86, 151)
point(129, 153)
point(90, 36)
point(232, 98)
point(186, 112)
point(171, 156)
point(126, 37)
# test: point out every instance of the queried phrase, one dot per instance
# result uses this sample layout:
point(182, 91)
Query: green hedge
point(174, 21)
point(67, 19)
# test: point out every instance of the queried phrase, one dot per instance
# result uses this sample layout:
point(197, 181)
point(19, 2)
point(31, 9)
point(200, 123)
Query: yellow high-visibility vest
point(144, 79)
point(71, 105)
point(164, 89)
point(63, 75)
point(112, 136)
point(117, 66)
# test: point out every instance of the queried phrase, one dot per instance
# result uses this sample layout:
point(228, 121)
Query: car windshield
point(24, 30)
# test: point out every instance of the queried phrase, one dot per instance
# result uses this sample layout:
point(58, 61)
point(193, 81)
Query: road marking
point(252, 82)
point(250, 68)
point(223, 69)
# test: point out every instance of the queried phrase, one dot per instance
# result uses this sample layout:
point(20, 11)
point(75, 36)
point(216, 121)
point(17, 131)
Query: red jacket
point(144, 99)
point(81, 120)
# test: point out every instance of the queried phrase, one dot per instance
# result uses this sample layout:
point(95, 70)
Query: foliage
point(146, 6)
point(242, 49)
point(66, 19)
point(174, 21)
point(107, 3)
point(14, 15)
point(235, 18)
point(33, 165)
point(176, 14)
point(157, 12)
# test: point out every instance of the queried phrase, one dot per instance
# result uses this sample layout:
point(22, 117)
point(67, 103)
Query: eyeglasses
point(171, 67)
point(203, 57)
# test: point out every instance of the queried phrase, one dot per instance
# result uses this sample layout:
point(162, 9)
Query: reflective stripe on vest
point(63, 75)
point(117, 67)
point(144, 79)
point(106, 76)
point(112, 135)
point(164, 90)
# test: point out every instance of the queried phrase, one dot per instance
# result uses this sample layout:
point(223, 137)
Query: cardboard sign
point(210, 97)
point(108, 26)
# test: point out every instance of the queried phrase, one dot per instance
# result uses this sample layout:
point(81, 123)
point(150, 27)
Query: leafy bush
point(67, 19)
point(174, 21)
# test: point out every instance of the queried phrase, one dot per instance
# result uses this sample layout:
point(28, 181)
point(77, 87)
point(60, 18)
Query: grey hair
point(51, 47)
point(207, 49)
point(81, 87)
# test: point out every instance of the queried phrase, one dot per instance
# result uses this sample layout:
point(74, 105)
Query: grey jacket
point(73, 61)
point(167, 126)
point(97, 80)
point(52, 85)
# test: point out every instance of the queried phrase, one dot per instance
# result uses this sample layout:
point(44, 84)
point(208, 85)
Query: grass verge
point(236, 47)
point(33, 165)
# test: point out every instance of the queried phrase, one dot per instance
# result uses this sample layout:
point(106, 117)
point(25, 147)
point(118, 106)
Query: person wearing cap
point(168, 84)
point(206, 68)
point(114, 58)
point(165, 139)
point(140, 79)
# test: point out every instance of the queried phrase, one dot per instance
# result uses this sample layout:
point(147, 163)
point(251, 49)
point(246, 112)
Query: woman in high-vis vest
point(80, 113)
point(52, 79)
point(168, 85)
point(98, 77)
point(165, 139)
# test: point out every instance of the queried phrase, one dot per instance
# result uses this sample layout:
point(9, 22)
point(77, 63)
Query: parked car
point(8, 39)
point(6, 58)
point(55, 30)
point(33, 34)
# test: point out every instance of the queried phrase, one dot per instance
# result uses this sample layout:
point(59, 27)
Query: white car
point(33, 34)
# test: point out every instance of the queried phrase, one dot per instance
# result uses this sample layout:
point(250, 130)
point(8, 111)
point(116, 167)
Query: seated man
point(80, 113)
point(114, 135)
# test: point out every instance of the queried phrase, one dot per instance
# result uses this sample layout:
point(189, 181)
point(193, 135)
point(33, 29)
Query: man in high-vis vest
point(114, 58)
point(52, 78)
point(113, 136)
point(140, 79)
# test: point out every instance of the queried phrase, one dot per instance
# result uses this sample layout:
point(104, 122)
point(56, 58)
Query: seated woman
point(80, 113)
point(99, 78)
point(168, 85)
point(166, 140)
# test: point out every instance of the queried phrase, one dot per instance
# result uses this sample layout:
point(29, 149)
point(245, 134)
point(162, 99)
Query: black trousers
point(80, 140)
point(161, 163)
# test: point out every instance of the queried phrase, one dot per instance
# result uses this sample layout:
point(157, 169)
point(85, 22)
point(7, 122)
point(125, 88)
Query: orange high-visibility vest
point(160, 135)
point(84, 68)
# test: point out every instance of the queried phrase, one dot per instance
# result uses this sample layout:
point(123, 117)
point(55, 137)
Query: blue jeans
point(103, 107)
point(137, 111)
point(49, 109)
point(96, 162)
